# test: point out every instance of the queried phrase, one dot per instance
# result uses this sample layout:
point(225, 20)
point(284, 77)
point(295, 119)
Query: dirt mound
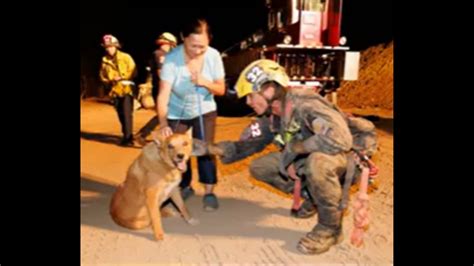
point(372, 93)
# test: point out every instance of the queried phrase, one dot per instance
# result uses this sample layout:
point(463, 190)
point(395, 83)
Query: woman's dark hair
point(196, 26)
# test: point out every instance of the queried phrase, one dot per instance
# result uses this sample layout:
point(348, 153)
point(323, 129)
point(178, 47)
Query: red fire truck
point(304, 36)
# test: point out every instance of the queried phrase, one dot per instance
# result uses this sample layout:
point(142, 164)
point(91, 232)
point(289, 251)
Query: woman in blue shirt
point(191, 75)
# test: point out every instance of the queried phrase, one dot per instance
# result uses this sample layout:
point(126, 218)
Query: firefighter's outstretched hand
point(201, 148)
point(225, 150)
point(214, 149)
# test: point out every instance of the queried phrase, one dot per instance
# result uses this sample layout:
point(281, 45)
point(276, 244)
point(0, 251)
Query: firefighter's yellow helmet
point(110, 40)
point(166, 38)
point(259, 72)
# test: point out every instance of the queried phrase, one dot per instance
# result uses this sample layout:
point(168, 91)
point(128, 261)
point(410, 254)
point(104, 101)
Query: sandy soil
point(252, 225)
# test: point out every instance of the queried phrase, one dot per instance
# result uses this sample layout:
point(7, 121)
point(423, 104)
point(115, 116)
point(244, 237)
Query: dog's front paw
point(159, 237)
point(193, 221)
point(168, 211)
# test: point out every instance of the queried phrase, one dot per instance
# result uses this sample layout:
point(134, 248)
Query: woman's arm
point(162, 109)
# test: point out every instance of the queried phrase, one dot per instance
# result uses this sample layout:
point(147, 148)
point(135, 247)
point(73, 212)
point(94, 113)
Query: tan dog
point(151, 179)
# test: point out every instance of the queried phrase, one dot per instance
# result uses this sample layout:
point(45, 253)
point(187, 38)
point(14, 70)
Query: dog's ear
point(189, 133)
point(158, 138)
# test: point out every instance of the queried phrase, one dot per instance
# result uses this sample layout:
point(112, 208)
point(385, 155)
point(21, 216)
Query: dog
point(151, 179)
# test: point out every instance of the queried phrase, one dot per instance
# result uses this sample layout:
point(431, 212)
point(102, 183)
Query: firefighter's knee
point(317, 167)
point(258, 170)
point(265, 167)
point(323, 171)
point(322, 166)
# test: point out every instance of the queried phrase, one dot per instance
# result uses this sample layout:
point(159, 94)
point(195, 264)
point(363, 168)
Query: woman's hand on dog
point(166, 131)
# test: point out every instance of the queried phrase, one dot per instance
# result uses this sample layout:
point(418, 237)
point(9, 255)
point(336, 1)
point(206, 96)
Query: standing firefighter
point(165, 43)
point(317, 141)
point(117, 72)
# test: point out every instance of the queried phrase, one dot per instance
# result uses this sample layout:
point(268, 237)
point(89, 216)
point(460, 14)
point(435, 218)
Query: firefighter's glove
point(225, 150)
point(200, 147)
point(216, 149)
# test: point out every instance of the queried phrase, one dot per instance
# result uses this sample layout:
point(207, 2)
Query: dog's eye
point(170, 146)
point(185, 143)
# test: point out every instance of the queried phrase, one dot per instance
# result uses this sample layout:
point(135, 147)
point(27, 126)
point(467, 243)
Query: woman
point(191, 75)
point(117, 72)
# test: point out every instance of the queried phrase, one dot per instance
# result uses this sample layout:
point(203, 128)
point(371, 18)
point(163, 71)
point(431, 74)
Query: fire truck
point(304, 36)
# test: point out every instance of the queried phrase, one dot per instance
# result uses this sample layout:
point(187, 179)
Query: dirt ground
point(252, 225)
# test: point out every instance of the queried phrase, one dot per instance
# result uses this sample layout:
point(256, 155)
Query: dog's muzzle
point(180, 163)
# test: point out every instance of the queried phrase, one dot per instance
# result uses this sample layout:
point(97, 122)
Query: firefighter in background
point(117, 72)
point(165, 43)
point(316, 141)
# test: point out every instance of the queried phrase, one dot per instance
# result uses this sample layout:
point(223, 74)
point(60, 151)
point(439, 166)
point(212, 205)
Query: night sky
point(364, 23)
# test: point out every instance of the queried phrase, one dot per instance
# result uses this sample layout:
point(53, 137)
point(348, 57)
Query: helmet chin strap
point(268, 111)
point(278, 95)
